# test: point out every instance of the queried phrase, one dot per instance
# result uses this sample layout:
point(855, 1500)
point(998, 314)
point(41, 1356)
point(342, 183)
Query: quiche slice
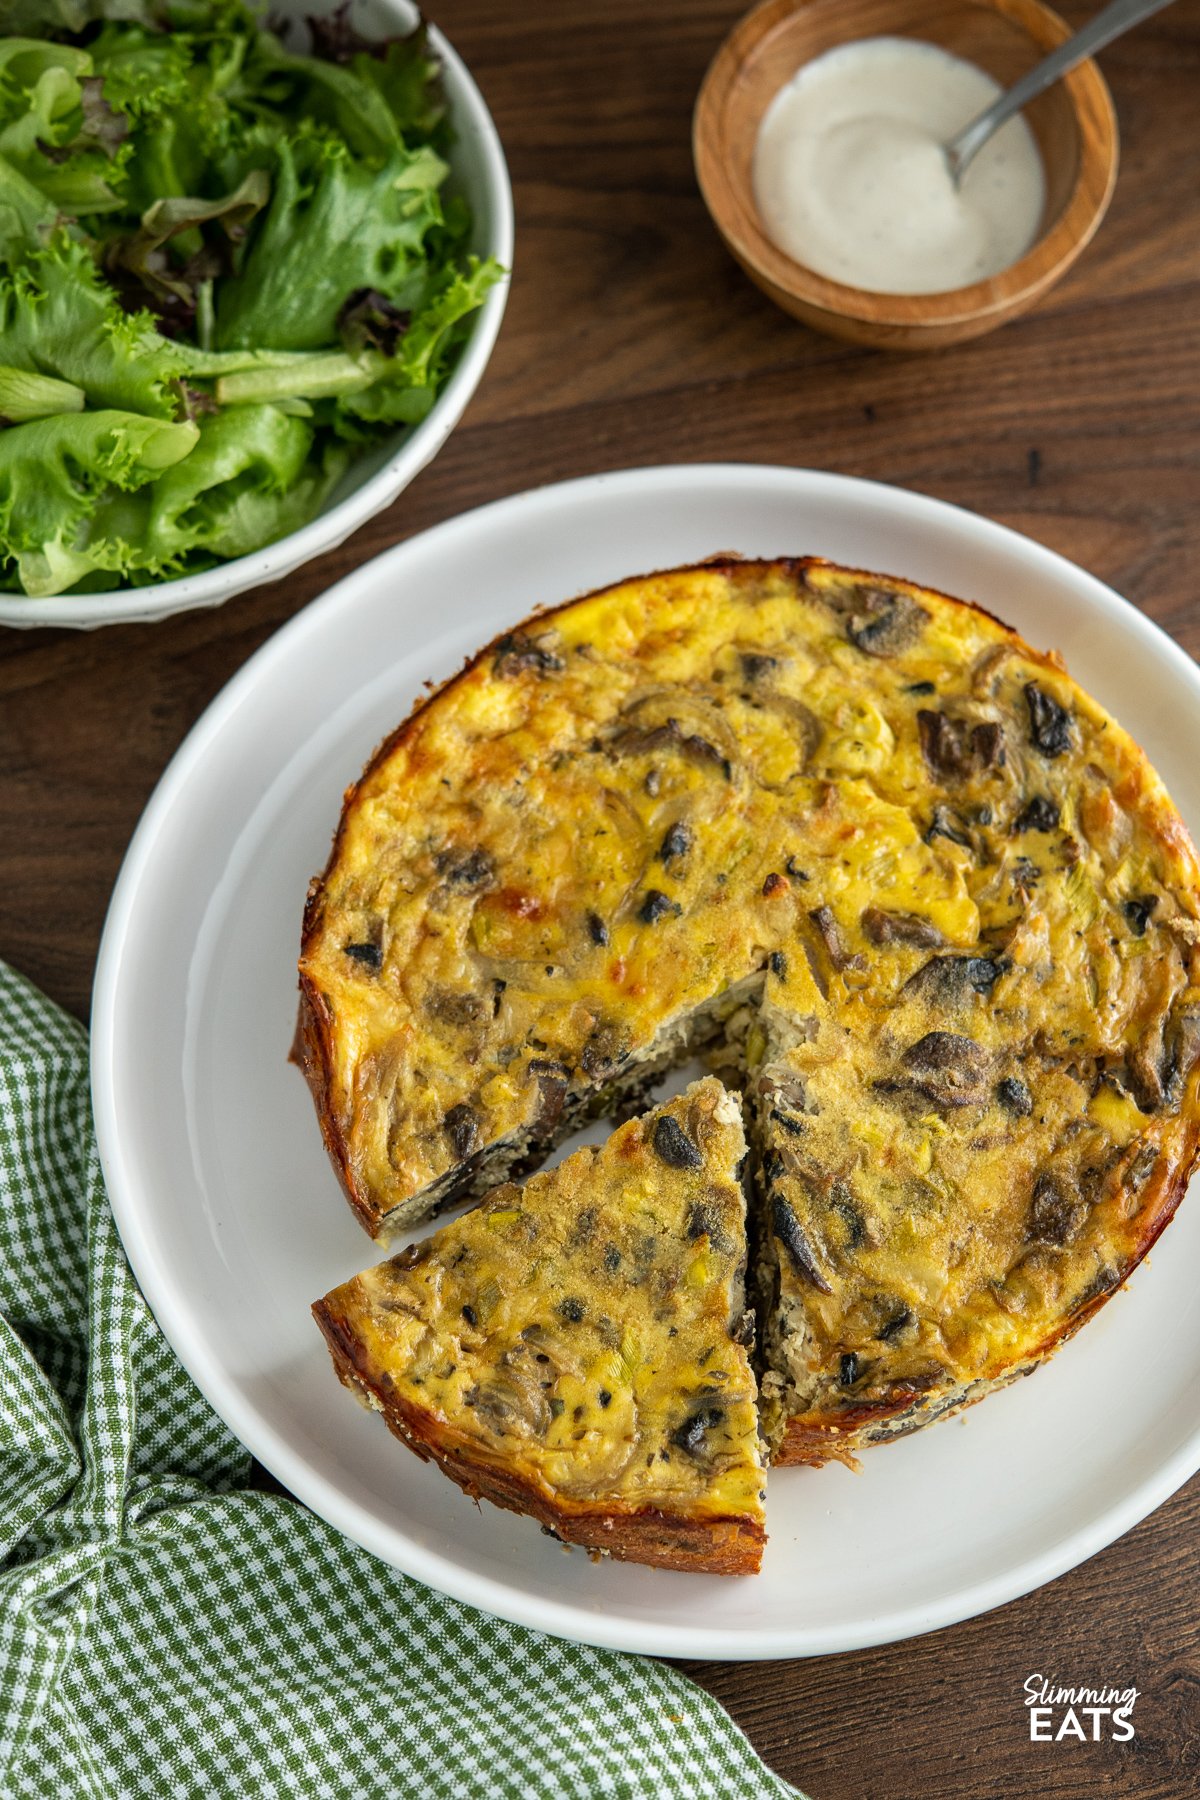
point(883, 857)
point(577, 1349)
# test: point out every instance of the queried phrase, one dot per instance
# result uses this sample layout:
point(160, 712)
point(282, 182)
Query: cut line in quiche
point(576, 1349)
point(910, 886)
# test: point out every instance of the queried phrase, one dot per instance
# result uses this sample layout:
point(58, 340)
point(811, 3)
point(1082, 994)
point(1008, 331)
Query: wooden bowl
point(1073, 122)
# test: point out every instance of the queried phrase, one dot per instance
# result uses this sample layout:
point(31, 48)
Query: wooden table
point(632, 339)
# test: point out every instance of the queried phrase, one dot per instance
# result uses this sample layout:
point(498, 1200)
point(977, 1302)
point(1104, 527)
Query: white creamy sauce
point(851, 181)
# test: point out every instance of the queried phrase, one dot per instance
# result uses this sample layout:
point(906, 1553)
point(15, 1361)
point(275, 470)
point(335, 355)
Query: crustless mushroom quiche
point(922, 899)
point(576, 1349)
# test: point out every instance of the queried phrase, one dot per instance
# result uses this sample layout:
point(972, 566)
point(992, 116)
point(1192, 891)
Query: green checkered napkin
point(166, 1631)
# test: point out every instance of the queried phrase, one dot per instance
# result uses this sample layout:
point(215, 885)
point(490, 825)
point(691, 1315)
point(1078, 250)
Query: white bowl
point(375, 479)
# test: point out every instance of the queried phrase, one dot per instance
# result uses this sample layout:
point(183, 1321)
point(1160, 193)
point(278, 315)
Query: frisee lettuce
point(58, 317)
point(225, 268)
point(53, 470)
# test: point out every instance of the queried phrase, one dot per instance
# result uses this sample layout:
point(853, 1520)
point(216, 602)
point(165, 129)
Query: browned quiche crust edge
point(648, 1535)
point(310, 1053)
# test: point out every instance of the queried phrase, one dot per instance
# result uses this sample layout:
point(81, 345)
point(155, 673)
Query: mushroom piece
point(1049, 723)
point(886, 624)
point(949, 981)
point(831, 936)
point(948, 1069)
point(956, 749)
point(884, 927)
point(517, 652)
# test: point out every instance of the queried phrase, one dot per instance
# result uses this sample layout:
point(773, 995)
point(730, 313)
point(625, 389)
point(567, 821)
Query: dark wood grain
point(631, 338)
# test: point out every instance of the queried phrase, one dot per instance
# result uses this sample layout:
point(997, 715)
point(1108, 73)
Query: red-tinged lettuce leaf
point(336, 40)
point(57, 317)
point(140, 266)
point(56, 127)
point(181, 91)
point(406, 388)
point(103, 125)
point(368, 320)
point(333, 226)
point(378, 97)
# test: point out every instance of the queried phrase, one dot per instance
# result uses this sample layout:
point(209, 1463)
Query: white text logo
point(1088, 1714)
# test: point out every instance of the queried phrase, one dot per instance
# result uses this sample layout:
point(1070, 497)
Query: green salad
point(225, 269)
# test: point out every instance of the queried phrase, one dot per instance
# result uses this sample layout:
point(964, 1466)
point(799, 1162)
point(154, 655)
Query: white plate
point(233, 1219)
point(377, 477)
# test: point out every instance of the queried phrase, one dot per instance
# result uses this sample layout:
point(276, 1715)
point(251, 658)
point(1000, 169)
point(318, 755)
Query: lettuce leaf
point(333, 226)
point(182, 93)
point(57, 129)
point(25, 396)
point(53, 470)
point(146, 74)
point(249, 481)
point(404, 391)
point(376, 97)
point(113, 494)
point(58, 318)
point(139, 263)
point(26, 215)
point(370, 386)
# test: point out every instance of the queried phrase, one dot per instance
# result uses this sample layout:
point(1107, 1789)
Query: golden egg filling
point(576, 1349)
point(900, 877)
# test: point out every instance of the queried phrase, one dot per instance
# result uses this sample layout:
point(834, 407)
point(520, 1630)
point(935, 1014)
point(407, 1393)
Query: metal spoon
point(1115, 19)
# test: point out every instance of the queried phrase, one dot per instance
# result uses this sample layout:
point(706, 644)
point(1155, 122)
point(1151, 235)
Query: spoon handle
point(1118, 17)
